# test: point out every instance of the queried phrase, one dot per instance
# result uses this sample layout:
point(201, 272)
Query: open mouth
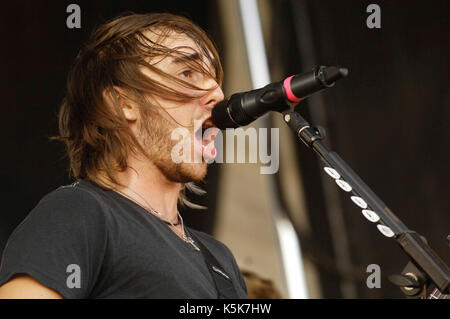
point(206, 132)
point(205, 135)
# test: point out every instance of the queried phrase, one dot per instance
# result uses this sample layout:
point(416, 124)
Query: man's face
point(173, 115)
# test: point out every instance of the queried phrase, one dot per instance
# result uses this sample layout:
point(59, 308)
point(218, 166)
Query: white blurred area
point(250, 220)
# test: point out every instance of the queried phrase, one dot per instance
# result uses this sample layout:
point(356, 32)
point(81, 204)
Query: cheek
point(184, 114)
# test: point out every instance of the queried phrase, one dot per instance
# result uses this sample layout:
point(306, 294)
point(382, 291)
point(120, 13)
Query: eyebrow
point(182, 59)
point(192, 57)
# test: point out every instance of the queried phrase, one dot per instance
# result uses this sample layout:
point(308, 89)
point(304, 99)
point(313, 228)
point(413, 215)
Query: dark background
point(387, 120)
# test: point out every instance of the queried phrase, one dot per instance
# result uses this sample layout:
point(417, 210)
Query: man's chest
point(149, 263)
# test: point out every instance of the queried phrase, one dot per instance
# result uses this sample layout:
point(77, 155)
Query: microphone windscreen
point(220, 116)
point(334, 73)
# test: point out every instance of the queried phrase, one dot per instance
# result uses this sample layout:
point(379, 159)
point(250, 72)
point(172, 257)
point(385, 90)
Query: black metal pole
point(372, 206)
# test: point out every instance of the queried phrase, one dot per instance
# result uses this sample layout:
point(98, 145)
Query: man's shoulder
point(71, 201)
point(76, 193)
point(223, 255)
point(210, 242)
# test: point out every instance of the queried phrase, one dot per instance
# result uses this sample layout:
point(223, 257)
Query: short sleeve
point(61, 243)
point(239, 275)
point(236, 269)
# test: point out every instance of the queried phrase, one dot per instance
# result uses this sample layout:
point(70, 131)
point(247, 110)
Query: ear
point(116, 98)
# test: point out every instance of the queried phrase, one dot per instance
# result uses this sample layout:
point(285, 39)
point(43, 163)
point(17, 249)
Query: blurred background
point(294, 229)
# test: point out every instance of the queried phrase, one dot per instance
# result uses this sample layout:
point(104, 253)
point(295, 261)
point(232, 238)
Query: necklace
point(153, 211)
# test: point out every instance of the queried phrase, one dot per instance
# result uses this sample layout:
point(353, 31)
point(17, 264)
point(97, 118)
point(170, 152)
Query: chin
point(195, 172)
point(187, 172)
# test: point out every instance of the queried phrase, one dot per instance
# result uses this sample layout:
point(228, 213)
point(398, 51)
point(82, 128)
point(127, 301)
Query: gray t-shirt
point(87, 242)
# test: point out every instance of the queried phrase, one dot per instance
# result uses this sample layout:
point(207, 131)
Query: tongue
point(208, 149)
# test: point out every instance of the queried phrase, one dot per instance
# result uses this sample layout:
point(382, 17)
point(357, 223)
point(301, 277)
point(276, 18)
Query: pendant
point(189, 240)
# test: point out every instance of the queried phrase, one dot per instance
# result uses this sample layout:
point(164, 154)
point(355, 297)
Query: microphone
point(243, 108)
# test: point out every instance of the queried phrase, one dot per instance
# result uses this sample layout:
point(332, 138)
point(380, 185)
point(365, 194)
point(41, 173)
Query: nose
point(213, 96)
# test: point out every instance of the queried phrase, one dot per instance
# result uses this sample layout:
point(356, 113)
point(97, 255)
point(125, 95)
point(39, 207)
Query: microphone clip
point(320, 74)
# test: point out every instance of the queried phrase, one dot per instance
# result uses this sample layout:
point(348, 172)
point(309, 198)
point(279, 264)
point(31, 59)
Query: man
point(116, 232)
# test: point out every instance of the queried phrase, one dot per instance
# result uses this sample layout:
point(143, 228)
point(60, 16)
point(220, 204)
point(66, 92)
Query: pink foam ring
point(287, 87)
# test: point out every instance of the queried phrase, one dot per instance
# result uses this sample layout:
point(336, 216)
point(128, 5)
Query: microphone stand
point(425, 264)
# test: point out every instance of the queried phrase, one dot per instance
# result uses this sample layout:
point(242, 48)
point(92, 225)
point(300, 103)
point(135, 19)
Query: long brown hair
point(97, 137)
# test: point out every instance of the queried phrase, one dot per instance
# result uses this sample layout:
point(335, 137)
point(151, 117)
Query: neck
point(151, 186)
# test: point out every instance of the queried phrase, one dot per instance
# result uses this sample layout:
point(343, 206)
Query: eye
point(186, 73)
point(192, 76)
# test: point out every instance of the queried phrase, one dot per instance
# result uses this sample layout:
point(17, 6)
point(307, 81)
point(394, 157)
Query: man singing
point(116, 232)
